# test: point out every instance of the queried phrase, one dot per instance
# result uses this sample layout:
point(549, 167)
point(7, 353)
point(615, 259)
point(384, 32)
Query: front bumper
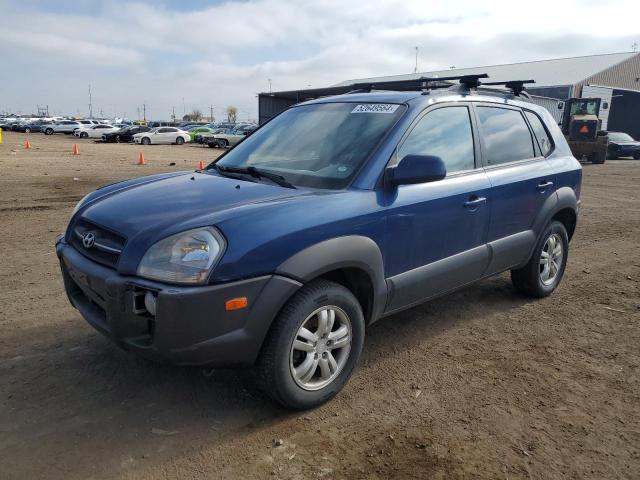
point(191, 325)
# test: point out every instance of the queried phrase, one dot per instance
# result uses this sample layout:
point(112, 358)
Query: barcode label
point(375, 108)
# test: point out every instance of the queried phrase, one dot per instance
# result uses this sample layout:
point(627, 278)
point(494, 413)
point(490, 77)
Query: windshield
point(319, 145)
point(620, 137)
point(584, 107)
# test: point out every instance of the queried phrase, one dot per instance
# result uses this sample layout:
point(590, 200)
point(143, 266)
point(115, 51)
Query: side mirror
point(416, 169)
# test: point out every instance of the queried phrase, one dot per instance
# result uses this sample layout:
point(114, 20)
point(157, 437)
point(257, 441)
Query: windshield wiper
point(255, 173)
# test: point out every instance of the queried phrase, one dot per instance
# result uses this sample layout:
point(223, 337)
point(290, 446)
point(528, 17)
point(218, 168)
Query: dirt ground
point(480, 384)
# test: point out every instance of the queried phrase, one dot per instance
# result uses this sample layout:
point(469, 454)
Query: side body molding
point(351, 251)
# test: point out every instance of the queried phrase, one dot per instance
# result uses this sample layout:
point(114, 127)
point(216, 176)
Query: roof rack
point(422, 83)
point(516, 86)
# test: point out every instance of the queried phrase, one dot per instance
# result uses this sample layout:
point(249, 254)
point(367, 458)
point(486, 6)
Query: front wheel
point(48, 131)
point(84, 134)
point(145, 141)
point(27, 130)
point(540, 277)
point(313, 346)
point(179, 141)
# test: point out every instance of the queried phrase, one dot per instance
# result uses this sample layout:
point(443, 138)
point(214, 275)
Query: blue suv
point(336, 213)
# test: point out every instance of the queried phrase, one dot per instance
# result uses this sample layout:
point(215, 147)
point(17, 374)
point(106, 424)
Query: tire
point(145, 141)
point(27, 130)
point(223, 143)
point(48, 131)
point(598, 157)
point(212, 145)
point(116, 139)
point(279, 361)
point(530, 280)
point(179, 141)
point(636, 156)
point(84, 135)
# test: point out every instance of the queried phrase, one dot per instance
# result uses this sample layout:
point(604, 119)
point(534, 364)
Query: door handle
point(474, 202)
point(542, 186)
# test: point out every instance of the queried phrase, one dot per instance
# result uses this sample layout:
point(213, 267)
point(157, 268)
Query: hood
point(151, 210)
point(627, 144)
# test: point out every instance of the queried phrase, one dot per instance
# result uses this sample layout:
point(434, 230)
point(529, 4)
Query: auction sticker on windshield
point(375, 108)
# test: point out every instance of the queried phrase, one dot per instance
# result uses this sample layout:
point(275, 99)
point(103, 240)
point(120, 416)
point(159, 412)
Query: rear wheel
point(48, 131)
point(636, 156)
point(27, 130)
point(223, 143)
point(544, 271)
point(145, 141)
point(179, 141)
point(313, 346)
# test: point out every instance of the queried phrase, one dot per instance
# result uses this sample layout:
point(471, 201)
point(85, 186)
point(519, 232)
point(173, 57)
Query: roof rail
point(516, 86)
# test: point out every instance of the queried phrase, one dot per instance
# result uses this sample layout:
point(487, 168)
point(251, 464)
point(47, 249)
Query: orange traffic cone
point(201, 165)
point(141, 159)
point(27, 144)
point(76, 151)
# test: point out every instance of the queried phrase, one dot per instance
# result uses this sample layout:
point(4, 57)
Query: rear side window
point(445, 133)
point(540, 132)
point(506, 135)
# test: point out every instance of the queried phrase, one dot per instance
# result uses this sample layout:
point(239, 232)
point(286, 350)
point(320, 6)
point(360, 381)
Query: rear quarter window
point(540, 132)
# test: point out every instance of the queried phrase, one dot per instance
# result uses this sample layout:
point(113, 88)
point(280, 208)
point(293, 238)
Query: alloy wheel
point(551, 259)
point(320, 348)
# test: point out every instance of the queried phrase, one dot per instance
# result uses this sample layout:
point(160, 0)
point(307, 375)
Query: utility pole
point(184, 109)
point(90, 104)
point(173, 114)
point(144, 112)
point(211, 113)
point(634, 46)
point(269, 85)
point(415, 69)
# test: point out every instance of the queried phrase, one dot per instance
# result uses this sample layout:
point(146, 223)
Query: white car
point(166, 135)
point(63, 126)
point(94, 131)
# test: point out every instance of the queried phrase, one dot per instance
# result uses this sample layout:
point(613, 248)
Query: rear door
point(521, 180)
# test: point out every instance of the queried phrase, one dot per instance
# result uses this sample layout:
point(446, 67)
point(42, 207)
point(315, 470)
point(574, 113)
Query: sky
point(196, 54)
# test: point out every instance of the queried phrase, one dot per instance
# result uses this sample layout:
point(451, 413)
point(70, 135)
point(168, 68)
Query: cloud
point(161, 52)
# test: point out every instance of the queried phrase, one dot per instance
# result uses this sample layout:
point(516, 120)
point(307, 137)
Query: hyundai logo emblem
point(88, 239)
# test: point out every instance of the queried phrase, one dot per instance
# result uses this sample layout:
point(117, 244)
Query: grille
point(105, 247)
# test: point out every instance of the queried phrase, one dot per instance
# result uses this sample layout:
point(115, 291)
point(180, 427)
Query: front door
point(436, 232)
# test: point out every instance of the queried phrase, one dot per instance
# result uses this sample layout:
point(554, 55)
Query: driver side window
point(445, 133)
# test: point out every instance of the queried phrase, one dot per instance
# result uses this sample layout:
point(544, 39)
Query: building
point(614, 77)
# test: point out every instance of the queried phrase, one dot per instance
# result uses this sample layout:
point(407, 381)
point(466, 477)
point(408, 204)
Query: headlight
point(186, 257)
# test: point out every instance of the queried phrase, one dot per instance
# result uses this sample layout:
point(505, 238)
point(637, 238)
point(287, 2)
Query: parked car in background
point(204, 138)
point(229, 137)
point(623, 145)
point(36, 126)
point(94, 131)
point(64, 126)
point(162, 135)
point(125, 134)
point(193, 132)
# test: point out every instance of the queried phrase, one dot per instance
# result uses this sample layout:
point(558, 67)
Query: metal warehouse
point(614, 77)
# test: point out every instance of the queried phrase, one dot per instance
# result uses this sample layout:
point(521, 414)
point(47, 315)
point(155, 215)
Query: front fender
point(352, 251)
